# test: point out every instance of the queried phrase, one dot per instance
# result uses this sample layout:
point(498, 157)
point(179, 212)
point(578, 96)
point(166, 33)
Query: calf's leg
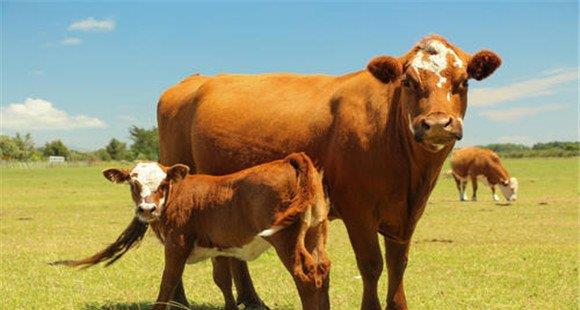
point(397, 257)
point(474, 185)
point(175, 258)
point(493, 194)
point(244, 286)
point(223, 279)
point(179, 297)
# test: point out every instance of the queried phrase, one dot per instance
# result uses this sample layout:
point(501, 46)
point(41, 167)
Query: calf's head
point(433, 80)
point(509, 189)
point(150, 184)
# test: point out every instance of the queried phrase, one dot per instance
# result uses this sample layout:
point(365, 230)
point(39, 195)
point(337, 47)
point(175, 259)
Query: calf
point(476, 163)
point(196, 217)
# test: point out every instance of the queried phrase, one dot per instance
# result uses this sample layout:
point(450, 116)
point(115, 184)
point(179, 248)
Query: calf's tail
point(309, 208)
point(129, 238)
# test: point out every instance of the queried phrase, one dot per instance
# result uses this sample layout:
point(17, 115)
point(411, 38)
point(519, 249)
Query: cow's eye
point(464, 84)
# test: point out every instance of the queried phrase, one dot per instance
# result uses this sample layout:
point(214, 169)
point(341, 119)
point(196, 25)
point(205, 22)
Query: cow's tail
point(129, 238)
point(309, 208)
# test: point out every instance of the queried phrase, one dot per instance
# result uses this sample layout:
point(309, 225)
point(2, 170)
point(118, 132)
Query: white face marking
point(436, 62)
point(449, 96)
point(149, 175)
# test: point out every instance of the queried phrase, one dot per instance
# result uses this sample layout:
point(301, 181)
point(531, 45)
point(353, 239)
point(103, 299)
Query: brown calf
point(476, 163)
point(196, 217)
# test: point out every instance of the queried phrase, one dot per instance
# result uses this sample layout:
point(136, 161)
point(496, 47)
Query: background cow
point(483, 164)
point(380, 134)
point(197, 217)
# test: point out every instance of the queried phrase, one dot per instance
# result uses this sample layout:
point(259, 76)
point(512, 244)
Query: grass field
point(472, 255)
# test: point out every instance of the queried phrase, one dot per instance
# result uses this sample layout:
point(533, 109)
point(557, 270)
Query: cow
point(476, 163)
point(380, 134)
point(281, 203)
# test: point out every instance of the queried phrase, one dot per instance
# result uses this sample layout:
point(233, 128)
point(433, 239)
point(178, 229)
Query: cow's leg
point(175, 258)
point(285, 243)
point(458, 184)
point(223, 279)
point(365, 243)
point(244, 286)
point(493, 194)
point(397, 257)
point(474, 186)
point(179, 296)
point(464, 190)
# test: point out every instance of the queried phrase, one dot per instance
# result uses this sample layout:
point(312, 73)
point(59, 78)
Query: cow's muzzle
point(438, 129)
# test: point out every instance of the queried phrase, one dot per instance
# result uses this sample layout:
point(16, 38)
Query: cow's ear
point(483, 64)
point(385, 68)
point(116, 175)
point(177, 172)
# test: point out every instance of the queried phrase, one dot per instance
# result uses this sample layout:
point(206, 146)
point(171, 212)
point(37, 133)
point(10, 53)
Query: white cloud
point(71, 41)
point(93, 24)
point(516, 139)
point(542, 86)
point(513, 114)
point(35, 114)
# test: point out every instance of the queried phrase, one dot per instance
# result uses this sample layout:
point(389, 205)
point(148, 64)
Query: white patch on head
point(247, 252)
point(449, 96)
point(436, 61)
point(149, 175)
point(510, 191)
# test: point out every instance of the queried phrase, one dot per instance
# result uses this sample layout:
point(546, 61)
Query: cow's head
point(433, 79)
point(509, 188)
point(150, 184)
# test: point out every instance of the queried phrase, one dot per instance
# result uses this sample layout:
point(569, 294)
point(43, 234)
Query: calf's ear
point(483, 64)
point(385, 68)
point(177, 172)
point(116, 175)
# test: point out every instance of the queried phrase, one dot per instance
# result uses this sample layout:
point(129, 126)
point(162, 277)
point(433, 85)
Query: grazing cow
point(483, 164)
point(380, 134)
point(196, 217)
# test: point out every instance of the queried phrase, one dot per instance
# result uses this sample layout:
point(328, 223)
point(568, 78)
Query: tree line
point(144, 146)
point(548, 149)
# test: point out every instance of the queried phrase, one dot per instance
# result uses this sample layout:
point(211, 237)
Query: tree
point(55, 148)
point(8, 148)
point(145, 143)
point(117, 150)
point(25, 146)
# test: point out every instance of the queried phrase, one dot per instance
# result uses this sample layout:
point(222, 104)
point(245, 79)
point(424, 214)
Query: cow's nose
point(146, 208)
point(437, 123)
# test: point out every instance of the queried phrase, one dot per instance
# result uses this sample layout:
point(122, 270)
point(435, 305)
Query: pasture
point(471, 255)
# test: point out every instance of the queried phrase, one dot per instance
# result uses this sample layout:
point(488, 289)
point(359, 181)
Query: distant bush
point(549, 149)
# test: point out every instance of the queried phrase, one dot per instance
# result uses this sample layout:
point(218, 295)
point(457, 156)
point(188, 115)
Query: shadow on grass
point(143, 306)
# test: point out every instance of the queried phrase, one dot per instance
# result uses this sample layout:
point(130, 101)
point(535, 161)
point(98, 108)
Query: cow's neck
point(423, 167)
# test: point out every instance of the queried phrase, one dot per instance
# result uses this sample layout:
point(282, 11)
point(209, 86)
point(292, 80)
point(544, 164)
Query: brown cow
point(196, 217)
point(381, 135)
point(477, 163)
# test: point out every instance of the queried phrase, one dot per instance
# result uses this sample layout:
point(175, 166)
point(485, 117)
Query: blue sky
point(85, 72)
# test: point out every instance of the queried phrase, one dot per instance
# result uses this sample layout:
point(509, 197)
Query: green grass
point(472, 255)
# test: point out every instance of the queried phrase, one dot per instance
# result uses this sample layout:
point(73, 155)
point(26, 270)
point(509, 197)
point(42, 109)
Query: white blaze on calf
point(149, 176)
point(436, 62)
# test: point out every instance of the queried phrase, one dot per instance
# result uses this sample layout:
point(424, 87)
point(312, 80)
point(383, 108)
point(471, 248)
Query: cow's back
point(473, 161)
point(174, 111)
point(243, 120)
